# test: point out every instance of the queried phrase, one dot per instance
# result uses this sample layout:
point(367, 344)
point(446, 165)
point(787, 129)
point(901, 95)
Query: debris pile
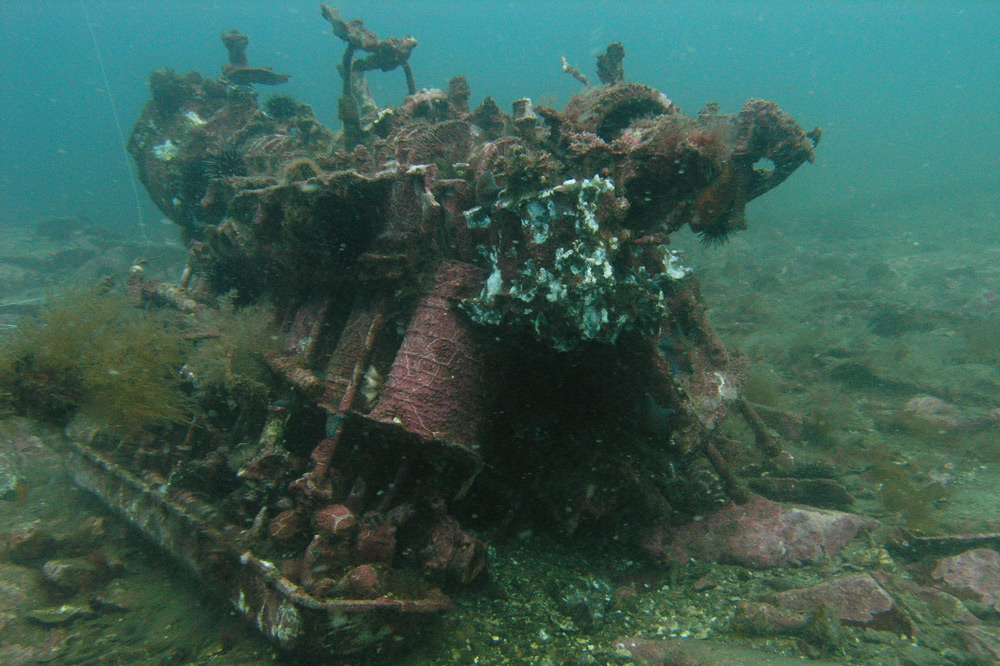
point(478, 323)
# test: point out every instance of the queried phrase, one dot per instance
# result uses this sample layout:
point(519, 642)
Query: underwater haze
point(906, 92)
point(444, 389)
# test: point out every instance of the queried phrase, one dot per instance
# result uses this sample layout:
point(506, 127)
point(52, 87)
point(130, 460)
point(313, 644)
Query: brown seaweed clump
point(94, 353)
point(904, 492)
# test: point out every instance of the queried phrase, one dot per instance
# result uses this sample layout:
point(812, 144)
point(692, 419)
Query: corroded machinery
point(480, 323)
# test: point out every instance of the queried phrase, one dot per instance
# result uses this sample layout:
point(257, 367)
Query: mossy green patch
point(235, 363)
point(96, 353)
point(902, 492)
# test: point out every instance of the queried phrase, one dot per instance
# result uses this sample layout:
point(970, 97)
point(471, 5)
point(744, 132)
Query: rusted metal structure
point(481, 322)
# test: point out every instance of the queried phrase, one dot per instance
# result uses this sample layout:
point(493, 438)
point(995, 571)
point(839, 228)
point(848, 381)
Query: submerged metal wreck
point(481, 323)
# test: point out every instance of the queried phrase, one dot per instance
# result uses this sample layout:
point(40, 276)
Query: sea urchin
point(715, 234)
point(225, 162)
point(281, 107)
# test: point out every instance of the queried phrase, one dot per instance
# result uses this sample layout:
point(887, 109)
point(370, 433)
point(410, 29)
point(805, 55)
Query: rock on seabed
point(760, 534)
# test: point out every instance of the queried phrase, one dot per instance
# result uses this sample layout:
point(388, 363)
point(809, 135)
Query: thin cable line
point(133, 180)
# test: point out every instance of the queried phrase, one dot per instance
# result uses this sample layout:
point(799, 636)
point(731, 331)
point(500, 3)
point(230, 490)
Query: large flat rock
point(760, 534)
